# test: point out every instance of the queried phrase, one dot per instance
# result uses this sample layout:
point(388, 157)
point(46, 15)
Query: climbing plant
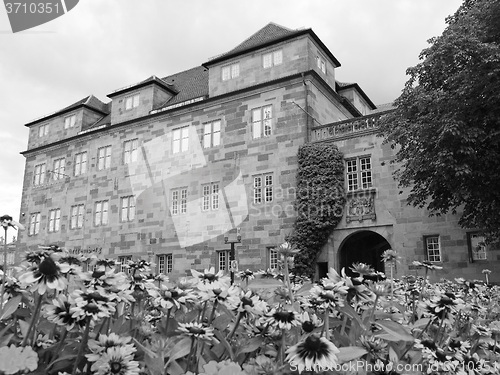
point(319, 202)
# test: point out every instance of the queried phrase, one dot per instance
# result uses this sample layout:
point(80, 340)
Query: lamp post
point(6, 221)
point(232, 253)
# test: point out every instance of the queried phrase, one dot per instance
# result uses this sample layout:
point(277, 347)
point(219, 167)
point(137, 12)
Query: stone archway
point(364, 246)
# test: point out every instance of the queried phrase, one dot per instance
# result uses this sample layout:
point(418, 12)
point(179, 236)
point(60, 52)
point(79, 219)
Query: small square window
point(132, 101)
point(69, 121)
point(43, 130)
point(230, 71)
point(272, 59)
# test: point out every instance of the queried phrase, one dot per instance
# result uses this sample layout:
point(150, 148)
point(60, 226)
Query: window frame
point(226, 254)
point(262, 123)
point(432, 257)
point(39, 177)
point(130, 154)
point(132, 101)
point(272, 55)
point(262, 191)
point(178, 203)
point(34, 224)
point(210, 136)
point(272, 257)
point(358, 176)
point(129, 209)
point(180, 144)
point(123, 259)
point(69, 121)
point(483, 246)
point(78, 170)
point(54, 220)
point(230, 71)
point(106, 157)
point(321, 63)
point(210, 197)
point(43, 130)
point(101, 219)
point(58, 169)
point(77, 216)
point(168, 264)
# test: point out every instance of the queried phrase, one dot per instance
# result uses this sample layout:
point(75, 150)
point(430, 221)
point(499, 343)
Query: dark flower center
point(284, 316)
point(245, 301)
point(313, 348)
point(97, 274)
point(115, 367)
point(197, 330)
point(308, 326)
point(210, 277)
point(92, 308)
point(48, 267)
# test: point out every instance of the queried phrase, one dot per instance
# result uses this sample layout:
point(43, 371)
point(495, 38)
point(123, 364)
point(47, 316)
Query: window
point(223, 260)
point(230, 71)
point(477, 247)
point(128, 208)
point(103, 158)
point(263, 188)
point(76, 219)
point(80, 163)
point(211, 134)
point(11, 257)
point(69, 121)
point(261, 121)
point(131, 101)
point(101, 213)
point(39, 175)
point(130, 151)
point(359, 173)
point(180, 141)
point(122, 260)
point(179, 201)
point(321, 62)
point(272, 58)
point(272, 258)
point(210, 196)
point(54, 220)
point(43, 130)
point(164, 263)
point(58, 169)
point(433, 248)
point(34, 224)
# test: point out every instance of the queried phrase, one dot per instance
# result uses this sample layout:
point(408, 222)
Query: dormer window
point(230, 71)
point(321, 62)
point(272, 58)
point(43, 130)
point(69, 121)
point(131, 101)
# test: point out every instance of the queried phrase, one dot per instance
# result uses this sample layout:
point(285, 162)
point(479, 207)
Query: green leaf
point(251, 345)
point(348, 353)
point(181, 349)
point(224, 342)
point(393, 331)
point(10, 307)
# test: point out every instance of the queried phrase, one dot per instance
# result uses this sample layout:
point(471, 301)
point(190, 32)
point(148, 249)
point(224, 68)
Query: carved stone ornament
point(360, 208)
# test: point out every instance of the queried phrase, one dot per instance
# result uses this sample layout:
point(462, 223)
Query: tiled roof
point(150, 80)
point(189, 84)
point(342, 86)
point(384, 107)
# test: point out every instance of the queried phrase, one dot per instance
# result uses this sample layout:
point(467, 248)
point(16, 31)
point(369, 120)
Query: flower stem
point(82, 345)
point(235, 326)
point(33, 320)
point(212, 314)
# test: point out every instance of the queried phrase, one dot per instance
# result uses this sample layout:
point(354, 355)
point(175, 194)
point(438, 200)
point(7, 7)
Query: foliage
point(106, 322)
point(447, 120)
point(319, 203)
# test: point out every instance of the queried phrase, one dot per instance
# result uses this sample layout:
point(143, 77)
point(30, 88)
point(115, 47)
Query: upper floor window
point(58, 169)
point(101, 213)
point(34, 224)
point(43, 130)
point(81, 163)
point(433, 248)
point(128, 208)
point(477, 246)
point(210, 196)
point(103, 158)
point(321, 62)
point(272, 58)
point(180, 139)
point(54, 220)
point(131, 101)
point(359, 173)
point(230, 71)
point(130, 150)
point(164, 263)
point(211, 134)
point(262, 121)
point(263, 188)
point(76, 219)
point(179, 201)
point(39, 175)
point(69, 121)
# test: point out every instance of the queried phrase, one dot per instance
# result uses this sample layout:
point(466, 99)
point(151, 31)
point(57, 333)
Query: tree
point(446, 125)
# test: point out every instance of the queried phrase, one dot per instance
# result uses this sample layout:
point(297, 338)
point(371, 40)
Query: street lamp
point(232, 261)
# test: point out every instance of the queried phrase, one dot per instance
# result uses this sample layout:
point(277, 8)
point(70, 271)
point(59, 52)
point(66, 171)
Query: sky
point(102, 45)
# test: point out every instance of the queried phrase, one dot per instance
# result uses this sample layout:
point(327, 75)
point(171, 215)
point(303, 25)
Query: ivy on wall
point(319, 202)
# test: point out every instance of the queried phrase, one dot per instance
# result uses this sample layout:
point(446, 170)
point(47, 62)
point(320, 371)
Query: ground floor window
point(272, 258)
point(122, 260)
point(223, 260)
point(164, 263)
point(477, 247)
point(433, 248)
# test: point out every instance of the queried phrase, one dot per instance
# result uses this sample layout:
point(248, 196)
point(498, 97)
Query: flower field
point(57, 319)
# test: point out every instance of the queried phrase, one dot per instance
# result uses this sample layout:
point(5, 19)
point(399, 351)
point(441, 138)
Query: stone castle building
point(171, 167)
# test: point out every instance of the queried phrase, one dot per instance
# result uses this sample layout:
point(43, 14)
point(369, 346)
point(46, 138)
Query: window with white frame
point(128, 208)
point(180, 139)
point(101, 213)
point(210, 199)
point(54, 220)
point(69, 121)
point(123, 260)
point(262, 121)
point(179, 201)
point(77, 216)
point(433, 248)
point(272, 258)
point(130, 150)
point(477, 247)
point(103, 158)
point(80, 163)
point(164, 263)
point(34, 224)
point(223, 260)
point(131, 101)
point(263, 188)
point(43, 130)
point(321, 62)
point(359, 173)
point(58, 169)
point(11, 257)
point(211, 134)
point(272, 58)
point(39, 174)
point(230, 71)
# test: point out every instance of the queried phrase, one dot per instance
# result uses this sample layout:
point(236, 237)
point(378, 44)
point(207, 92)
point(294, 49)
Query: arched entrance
point(363, 247)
